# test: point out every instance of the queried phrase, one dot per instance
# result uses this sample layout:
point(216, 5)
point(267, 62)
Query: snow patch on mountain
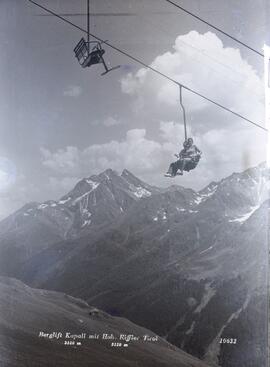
point(86, 212)
point(140, 192)
point(93, 184)
point(42, 206)
point(206, 193)
point(245, 216)
point(85, 195)
point(135, 185)
point(208, 295)
point(180, 209)
point(208, 249)
point(86, 223)
point(191, 329)
point(64, 201)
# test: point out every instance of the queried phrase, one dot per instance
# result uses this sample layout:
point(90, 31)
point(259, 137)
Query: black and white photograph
point(134, 183)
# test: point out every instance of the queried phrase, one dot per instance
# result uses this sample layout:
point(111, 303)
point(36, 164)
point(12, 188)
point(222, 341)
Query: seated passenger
point(188, 159)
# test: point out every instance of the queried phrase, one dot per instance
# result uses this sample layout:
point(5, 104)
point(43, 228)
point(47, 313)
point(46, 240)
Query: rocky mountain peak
point(127, 174)
point(108, 174)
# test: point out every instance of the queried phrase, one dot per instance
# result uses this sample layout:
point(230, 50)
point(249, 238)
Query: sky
point(60, 122)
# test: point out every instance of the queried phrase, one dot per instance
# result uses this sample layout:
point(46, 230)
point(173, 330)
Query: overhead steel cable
point(214, 27)
point(148, 66)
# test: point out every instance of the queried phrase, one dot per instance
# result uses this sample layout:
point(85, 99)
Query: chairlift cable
point(149, 67)
point(214, 27)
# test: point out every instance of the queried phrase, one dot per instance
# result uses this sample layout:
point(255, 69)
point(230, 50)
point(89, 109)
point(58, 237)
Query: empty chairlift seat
point(87, 56)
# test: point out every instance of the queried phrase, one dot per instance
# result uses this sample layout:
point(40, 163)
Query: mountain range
point(190, 266)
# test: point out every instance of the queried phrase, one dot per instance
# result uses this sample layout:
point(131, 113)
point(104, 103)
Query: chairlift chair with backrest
point(87, 56)
point(90, 53)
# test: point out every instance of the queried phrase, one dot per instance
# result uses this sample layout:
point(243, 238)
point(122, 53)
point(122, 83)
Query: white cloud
point(4, 180)
point(228, 144)
point(15, 190)
point(136, 152)
point(223, 153)
point(201, 62)
point(7, 174)
point(63, 160)
point(111, 121)
point(73, 91)
point(108, 122)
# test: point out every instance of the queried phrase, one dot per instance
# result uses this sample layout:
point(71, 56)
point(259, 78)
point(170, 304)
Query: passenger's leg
point(174, 168)
point(170, 170)
point(185, 163)
point(180, 165)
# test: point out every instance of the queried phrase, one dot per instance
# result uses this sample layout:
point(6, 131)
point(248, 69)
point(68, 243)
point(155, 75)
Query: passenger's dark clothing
point(189, 152)
point(188, 159)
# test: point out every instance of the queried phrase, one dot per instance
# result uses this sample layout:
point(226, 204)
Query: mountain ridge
point(94, 181)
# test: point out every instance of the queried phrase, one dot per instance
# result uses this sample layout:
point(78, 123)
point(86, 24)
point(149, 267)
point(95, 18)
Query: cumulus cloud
point(73, 91)
point(7, 174)
point(201, 62)
point(223, 153)
point(15, 191)
point(63, 160)
point(111, 121)
point(136, 151)
point(229, 144)
point(4, 180)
